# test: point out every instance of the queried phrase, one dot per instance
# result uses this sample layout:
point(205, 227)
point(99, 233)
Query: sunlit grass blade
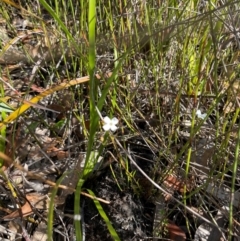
point(105, 218)
point(23, 108)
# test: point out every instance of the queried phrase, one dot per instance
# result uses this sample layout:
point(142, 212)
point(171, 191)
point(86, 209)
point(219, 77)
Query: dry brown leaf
point(175, 233)
point(175, 184)
point(53, 151)
point(24, 211)
point(38, 200)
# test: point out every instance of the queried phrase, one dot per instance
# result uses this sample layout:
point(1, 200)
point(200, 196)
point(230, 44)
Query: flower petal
point(114, 128)
point(106, 120)
point(203, 116)
point(106, 127)
point(115, 121)
point(200, 115)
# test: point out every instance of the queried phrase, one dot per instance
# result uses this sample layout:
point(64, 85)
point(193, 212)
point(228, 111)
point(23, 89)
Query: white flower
point(110, 124)
point(200, 115)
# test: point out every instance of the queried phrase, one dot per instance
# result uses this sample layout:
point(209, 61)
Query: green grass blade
point(51, 208)
point(60, 23)
point(94, 118)
point(234, 177)
point(105, 218)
